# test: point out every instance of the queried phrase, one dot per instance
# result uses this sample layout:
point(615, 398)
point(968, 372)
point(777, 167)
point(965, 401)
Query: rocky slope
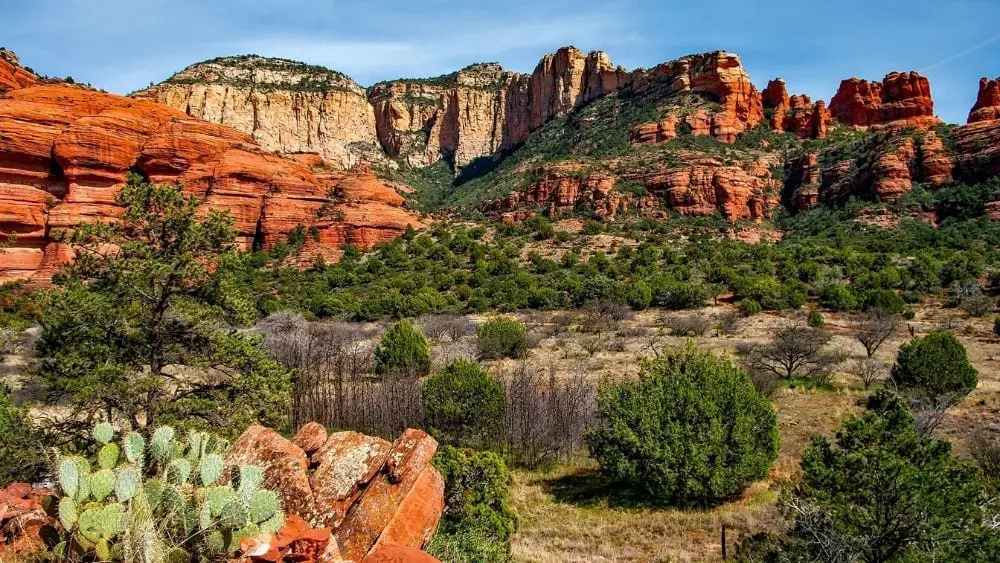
point(286, 106)
point(65, 152)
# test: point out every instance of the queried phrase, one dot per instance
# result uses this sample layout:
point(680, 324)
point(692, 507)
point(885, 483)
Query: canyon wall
point(65, 152)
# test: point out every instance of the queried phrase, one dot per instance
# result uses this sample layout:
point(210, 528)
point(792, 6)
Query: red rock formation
point(22, 517)
point(372, 495)
point(892, 171)
point(654, 133)
point(708, 188)
point(396, 554)
point(12, 76)
point(900, 100)
point(65, 152)
point(987, 106)
point(977, 150)
point(795, 114)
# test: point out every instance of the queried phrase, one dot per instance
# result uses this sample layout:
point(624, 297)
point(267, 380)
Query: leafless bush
point(11, 342)
point(695, 324)
point(632, 332)
point(618, 344)
point(873, 328)
point(930, 413)
point(593, 344)
point(333, 383)
point(978, 305)
point(985, 449)
point(870, 371)
point(729, 322)
point(546, 416)
point(604, 316)
point(794, 351)
point(452, 327)
point(766, 383)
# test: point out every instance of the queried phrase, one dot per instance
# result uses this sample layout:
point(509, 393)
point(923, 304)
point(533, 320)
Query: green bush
point(464, 405)
point(749, 307)
point(638, 295)
point(882, 492)
point(815, 319)
point(838, 298)
point(934, 366)
point(885, 299)
point(676, 295)
point(478, 521)
point(404, 351)
point(501, 337)
point(22, 452)
point(691, 431)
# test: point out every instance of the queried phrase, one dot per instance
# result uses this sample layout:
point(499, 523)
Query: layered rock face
point(795, 114)
point(901, 100)
point(987, 106)
point(375, 496)
point(12, 76)
point(286, 106)
point(65, 152)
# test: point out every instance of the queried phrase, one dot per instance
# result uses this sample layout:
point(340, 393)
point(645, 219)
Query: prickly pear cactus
point(165, 494)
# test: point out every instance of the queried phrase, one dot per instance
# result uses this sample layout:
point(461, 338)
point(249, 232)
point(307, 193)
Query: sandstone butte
point(65, 152)
point(347, 497)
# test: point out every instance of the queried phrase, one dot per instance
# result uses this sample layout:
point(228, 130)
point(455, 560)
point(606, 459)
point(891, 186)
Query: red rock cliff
point(987, 106)
point(794, 114)
point(65, 152)
point(900, 100)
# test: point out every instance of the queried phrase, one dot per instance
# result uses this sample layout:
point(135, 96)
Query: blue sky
point(123, 45)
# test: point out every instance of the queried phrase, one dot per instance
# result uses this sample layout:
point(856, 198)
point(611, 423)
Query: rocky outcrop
point(12, 75)
point(65, 152)
point(286, 106)
point(794, 114)
point(900, 100)
point(700, 186)
point(373, 495)
point(987, 106)
point(22, 517)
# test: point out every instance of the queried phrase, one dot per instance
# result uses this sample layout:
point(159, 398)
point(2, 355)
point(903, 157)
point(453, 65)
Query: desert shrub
point(977, 305)
point(688, 325)
point(478, 521)
point(882, 492)
point(638, 295)
point(794, 351)
point(546, 415)
point(838, 298)
point(935, 365)
point(869, 371)
point(676, 295)
point(691, 431)
point(985, 449)
point(464, 405)
point(501, 337)
point(885, 299)
point(815, 319)
point(403, 352)
point(453, 327)
point(749, 308)
point(873, 328)
point(22, 451)
point(729, 322)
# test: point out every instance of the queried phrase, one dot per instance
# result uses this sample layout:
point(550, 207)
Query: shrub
point(934, 366)
point(885, 299)
point(464, 405)
point(403, 352)
point(676, 295)
point(501, 337)
point(691, 431)
point(977, 305)
point(882, 492)
point(794, 351)
point(838, 298)
point(638, 295)
point(478, 521)
point(22, 455)
point(815, 319)
point(688, 325)
point(749, 307)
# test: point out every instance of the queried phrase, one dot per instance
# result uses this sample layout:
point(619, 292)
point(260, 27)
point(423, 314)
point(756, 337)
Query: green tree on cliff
point(136, 327)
